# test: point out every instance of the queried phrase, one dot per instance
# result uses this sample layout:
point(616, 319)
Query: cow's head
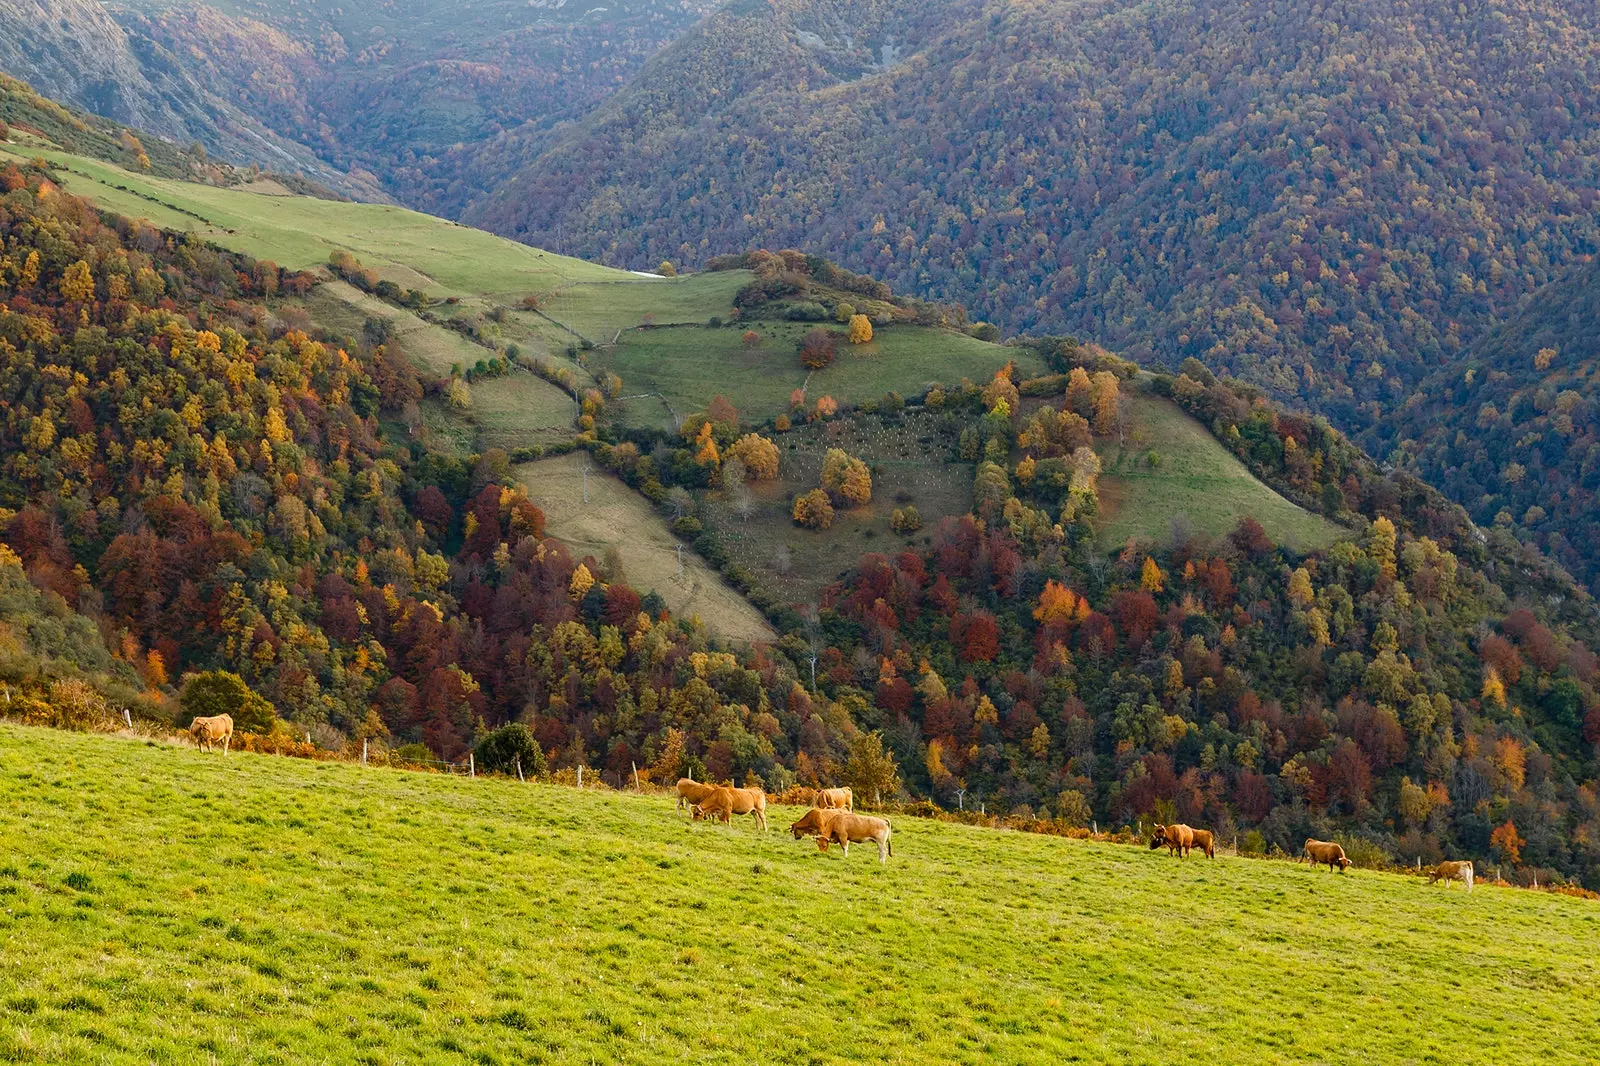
point(698, 812)
point(809, 823)
point(1344, 864)
point(1158, 838)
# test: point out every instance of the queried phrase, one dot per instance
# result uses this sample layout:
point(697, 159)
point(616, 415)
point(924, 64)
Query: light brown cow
point(1180, 838)
point(1452, 871)
point(843, 828)
point(691, 792)
point(218, 729)
point(1317, 852)
point(724, 803)
point(835, 799)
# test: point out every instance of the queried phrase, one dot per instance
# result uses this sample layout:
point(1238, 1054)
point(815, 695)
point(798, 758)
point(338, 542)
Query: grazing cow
point(1180, 838)
point(724, 803)
point(843, 828)
point(1452, 871)
point(207, 732)
point(835, 799)
point(691, 792)
point(1317, 852)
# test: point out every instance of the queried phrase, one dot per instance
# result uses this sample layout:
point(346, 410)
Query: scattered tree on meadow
point(759, 455)
point(860, 329)
point(846, 477)
point(816, 348)
point(813, 510)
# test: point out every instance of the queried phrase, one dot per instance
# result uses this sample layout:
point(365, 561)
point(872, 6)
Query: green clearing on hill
point(162, 905)
point(614, 516)
point(1193, 476)
point(409, 248)
point(687, 366)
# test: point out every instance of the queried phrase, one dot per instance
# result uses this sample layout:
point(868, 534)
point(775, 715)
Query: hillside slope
point(75, 51)
point(1509, 430)
point(1324, 202)
point(163, 905)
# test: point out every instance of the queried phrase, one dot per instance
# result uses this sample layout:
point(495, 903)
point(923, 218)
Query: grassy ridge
point(1194, 476)
point(412, 249)
point(162, 905)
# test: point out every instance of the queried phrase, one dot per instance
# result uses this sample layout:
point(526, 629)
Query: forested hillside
point(430, 103)
point(198, 476)
point(75, 51)
point(1328, 201)
point(1510, 429)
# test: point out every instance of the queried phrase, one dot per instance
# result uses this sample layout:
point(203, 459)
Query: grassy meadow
point(689, 365)
point(409, 248)
point(1194, 476)
point(162, 905)
point(614, 516)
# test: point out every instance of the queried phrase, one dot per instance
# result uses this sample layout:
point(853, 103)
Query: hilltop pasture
point(161, 905)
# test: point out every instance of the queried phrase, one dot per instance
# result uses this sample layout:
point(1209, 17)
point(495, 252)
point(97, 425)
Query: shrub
point(215, 692)
point(860, 329)
point(813, 510)
point(807, 311)
point(498, 751)
point(816, 349)
point(905, 519)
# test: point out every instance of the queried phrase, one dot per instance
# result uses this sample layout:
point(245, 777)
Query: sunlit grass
point(159, 905)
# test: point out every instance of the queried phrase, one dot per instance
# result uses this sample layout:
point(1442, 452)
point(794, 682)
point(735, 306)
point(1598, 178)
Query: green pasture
point(162, 905)
point(689, 365)
point(412, 249)
point(1192, 475)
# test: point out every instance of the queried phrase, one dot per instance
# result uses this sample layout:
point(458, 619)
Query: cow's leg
point(883, 850)
point(227, 742)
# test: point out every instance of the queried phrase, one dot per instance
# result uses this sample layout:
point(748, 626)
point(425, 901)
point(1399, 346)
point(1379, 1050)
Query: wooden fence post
point(580, 775)
point(519, 771)
point(472, 765)
point(363, 751)
point(636, 787)
point(1095, 827)
point(127, 716)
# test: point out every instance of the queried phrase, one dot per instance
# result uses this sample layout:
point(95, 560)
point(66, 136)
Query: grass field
point(412, 249)
point(1196, 477)
point(161, 905)
point(616, 516)
point(909, 460)
point(689, 365)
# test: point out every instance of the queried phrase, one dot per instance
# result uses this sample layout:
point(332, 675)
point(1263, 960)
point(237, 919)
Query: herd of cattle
point(832, 818)
point(1180, 839)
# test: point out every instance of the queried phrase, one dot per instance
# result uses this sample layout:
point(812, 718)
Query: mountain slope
point(75, 51)
point(433, 101)
point(1326, 202)
point(1510, 430)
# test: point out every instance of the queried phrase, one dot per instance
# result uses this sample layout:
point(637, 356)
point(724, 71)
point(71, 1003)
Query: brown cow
point(835, 799)
point(1452, 871)
point(218, 729)
point(1180, 838)
point(1317, 852)
point(724, 803)
point(843, 828)
point(691, 792)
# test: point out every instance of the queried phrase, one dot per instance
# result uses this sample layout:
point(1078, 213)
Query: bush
point(412, 753)
point(687, 526)
point(807, 311)
point(215, 692)
point(499, 751)
point(813, 510)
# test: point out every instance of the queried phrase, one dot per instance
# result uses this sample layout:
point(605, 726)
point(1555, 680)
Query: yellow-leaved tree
point(860, 329)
